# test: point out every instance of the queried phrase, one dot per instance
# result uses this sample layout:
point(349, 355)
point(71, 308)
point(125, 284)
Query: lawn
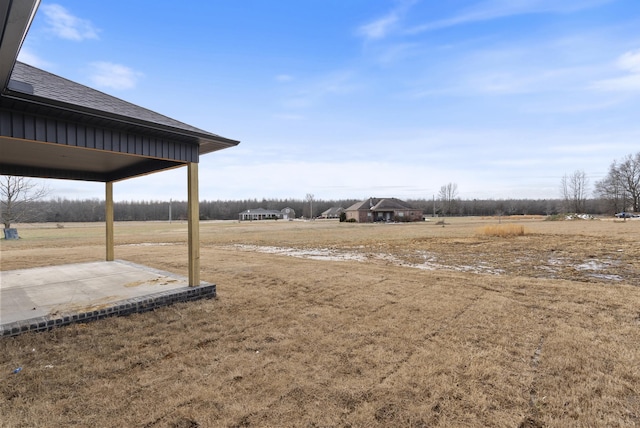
point(329, 324)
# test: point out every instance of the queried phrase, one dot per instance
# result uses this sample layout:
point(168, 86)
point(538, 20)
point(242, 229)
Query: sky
point(348, 99)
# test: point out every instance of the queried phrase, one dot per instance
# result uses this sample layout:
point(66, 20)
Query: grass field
point(328, 324)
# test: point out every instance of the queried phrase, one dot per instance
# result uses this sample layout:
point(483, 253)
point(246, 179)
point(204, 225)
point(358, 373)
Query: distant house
point(333, 212)
point(288, 213)
point(385, 209)
point(259, 214)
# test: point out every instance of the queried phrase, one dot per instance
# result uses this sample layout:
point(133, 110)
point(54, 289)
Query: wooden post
point(109, 219)
point(193, 214)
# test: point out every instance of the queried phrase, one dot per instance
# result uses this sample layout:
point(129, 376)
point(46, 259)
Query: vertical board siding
point(146, 147)
point(82, 136)
point(50, 131)
point(17, 127)
point(29, 128)
point(5, 125)
point(38, 128)
point(61, 133)
point(115, 142)
point(72, 135)
point(99, 139)
point(41, 130)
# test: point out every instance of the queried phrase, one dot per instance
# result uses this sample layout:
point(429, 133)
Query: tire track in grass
point(532, 420)
point(382, 413)
point(428, 337)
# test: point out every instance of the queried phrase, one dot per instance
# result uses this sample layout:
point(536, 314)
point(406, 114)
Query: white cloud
point(394, 53)
point(67, 26)
point(284, 78)
point(115, 76)
point(287, 116)
point(28, 57)
point(378, 28)
point(312, 92)
point(629, 62)
point(624, 83)
point(381, 27)
point(494, 9)
point(519, 81)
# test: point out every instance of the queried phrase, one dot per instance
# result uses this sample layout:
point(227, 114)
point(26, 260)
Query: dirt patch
point(530, 256)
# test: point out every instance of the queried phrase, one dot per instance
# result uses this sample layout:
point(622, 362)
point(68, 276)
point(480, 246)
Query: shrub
point(555, 217)
point(503, 230)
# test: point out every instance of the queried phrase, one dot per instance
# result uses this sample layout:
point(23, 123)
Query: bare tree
point(574, 191)
point(309, 199)
point(17, 197)
point(629, 176)
point(610, 190)
point(564, 191)
point(621, 187)
point(447, 196)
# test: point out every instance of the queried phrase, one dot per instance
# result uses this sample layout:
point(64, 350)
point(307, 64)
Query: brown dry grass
point(433, 326)
point(503, 230)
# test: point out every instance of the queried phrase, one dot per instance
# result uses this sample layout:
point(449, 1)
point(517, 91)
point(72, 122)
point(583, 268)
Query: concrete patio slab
point(42, 298)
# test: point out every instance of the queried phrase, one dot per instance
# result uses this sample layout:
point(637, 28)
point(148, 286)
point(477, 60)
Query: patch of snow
point(607, 277)
point(430, 262)
point(313, 254)
point(593, 265)
point(147, 244)
point(597, 265)
point(579, 217)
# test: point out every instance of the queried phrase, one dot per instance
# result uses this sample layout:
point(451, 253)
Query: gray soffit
point(34, 159)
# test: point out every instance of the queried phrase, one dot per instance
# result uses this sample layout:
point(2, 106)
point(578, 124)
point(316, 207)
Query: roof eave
point(208, 142)
point(16, 18)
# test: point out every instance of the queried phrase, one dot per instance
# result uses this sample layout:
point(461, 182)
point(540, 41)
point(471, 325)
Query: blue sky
point(359, 98)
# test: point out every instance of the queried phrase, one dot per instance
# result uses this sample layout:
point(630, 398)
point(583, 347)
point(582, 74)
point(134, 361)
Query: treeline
point(89, 210)
point(66, 210)
point(498, 207)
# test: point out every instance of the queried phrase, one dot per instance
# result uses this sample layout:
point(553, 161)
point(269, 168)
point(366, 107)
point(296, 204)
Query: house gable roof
point(362, 205)
point(261, 211)
point(333, 211)
point(390, 204)
point(380, 204)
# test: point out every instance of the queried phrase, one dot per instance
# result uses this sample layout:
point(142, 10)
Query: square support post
point(193, 214)
point(108, 216)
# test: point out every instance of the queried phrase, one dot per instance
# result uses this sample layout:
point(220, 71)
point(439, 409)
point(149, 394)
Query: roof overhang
point(15, 17)
point(52, 127)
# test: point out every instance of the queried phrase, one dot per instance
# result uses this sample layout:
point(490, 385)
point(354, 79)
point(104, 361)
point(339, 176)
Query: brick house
point(385, 209)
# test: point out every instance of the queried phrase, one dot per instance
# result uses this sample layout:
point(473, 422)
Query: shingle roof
point(333, 211)
point(387, 204)
point(380, 204)
point(362, 205)
point(260, 211)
